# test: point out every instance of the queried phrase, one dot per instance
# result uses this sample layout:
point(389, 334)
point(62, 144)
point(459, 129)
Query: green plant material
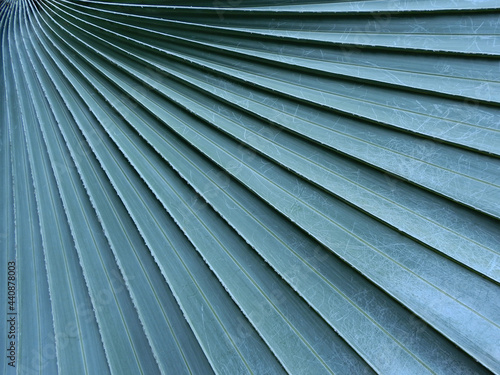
point(252, 187)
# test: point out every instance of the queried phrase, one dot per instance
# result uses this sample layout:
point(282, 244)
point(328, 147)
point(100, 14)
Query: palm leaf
point(260, 187)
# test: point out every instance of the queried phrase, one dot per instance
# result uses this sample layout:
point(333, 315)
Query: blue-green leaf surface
point(251, 187)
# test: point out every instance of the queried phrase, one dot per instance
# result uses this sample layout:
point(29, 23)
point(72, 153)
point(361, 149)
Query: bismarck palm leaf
point(251, 187)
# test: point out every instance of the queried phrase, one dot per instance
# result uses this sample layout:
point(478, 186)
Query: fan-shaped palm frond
point(235, 187)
